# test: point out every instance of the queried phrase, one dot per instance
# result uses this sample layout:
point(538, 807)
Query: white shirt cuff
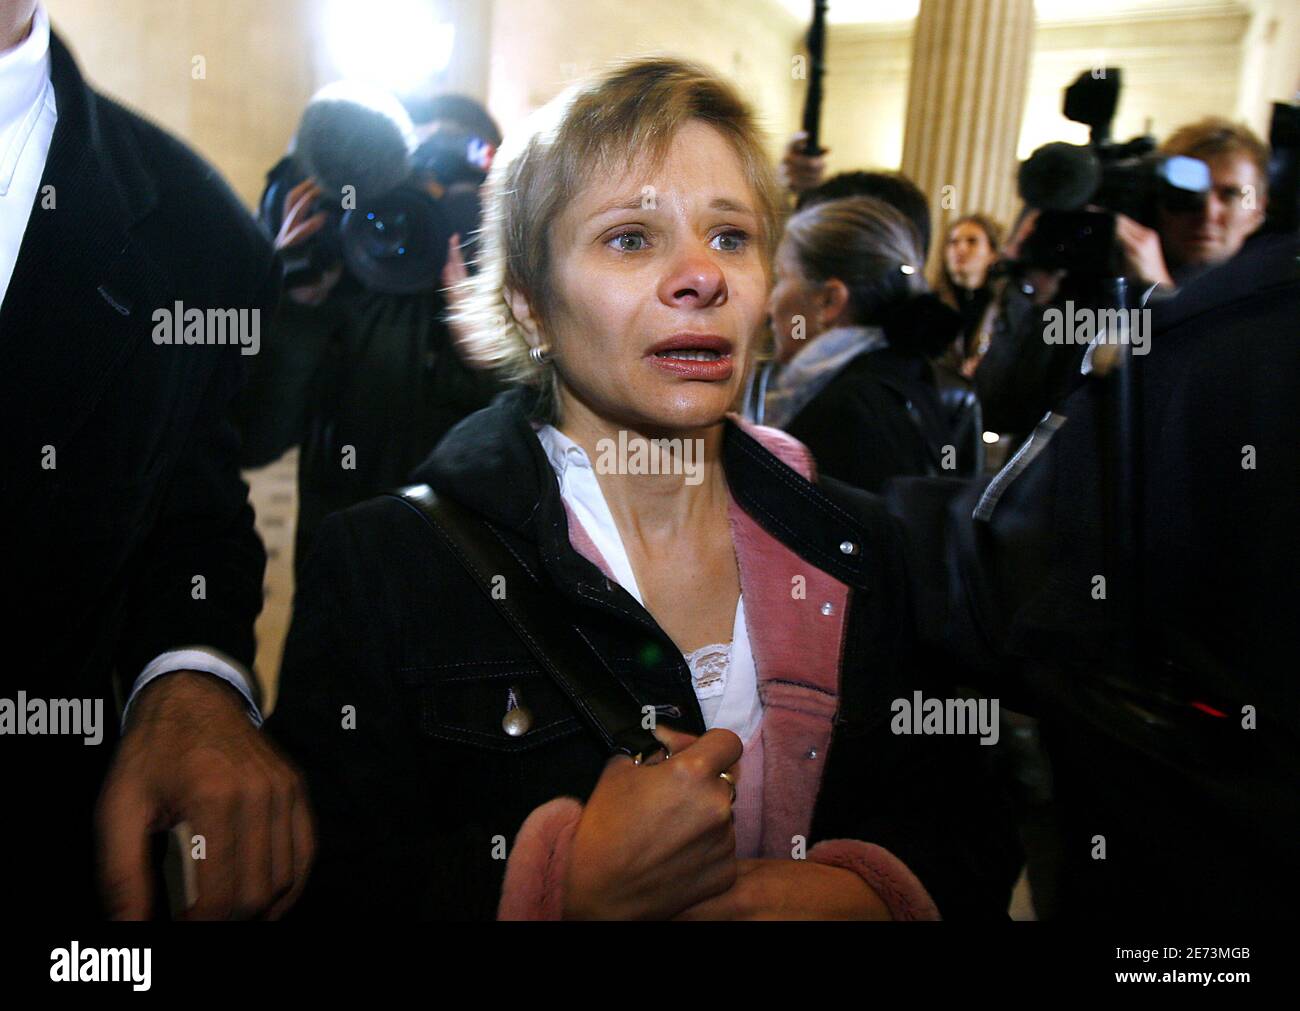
point(204, 660)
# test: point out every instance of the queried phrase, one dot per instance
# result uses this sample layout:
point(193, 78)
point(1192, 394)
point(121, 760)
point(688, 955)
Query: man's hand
point(296, 227)
point(1043, 284)
point(800, 171)
point(1144, 258)
point(190, 754)
point(792, 890)
point(454, 274)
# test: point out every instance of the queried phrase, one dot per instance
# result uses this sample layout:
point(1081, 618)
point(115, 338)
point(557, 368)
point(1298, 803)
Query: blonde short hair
point(635, 109)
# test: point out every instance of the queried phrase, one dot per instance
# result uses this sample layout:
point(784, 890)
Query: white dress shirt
point(28, 114)
point(723, 674)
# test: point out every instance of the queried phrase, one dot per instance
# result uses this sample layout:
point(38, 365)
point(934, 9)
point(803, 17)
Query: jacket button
point(517, 722)
point(848, 548)
point(812, 753)
point(828, 608)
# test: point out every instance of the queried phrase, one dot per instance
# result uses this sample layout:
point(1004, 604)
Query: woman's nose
point(696, 279)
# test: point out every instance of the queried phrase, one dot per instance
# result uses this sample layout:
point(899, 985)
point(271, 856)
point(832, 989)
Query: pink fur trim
point(888, 876)
point(539, 862)
point(796, 649)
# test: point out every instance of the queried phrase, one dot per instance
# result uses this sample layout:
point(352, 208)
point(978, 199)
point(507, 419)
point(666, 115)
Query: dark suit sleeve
point(204, 528)
point(390, 842)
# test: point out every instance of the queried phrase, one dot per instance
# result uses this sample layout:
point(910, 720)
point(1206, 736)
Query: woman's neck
point(659, 484)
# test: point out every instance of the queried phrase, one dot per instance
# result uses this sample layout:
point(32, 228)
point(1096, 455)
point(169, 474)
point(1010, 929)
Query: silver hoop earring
point(540, 354)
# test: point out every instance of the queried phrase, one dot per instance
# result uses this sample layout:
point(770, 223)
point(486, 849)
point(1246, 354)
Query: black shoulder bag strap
point(604, 702)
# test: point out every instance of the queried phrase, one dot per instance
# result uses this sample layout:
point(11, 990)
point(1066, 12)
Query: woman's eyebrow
point(638, 203)
point(727, 204)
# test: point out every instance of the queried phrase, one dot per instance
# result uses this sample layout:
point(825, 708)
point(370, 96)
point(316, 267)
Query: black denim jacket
point(398, 668)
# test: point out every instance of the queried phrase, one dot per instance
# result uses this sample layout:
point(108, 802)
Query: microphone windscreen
point(1059, 177)
point(355, 135)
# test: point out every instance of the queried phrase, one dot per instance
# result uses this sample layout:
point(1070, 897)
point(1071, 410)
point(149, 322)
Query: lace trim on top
point(709, 666)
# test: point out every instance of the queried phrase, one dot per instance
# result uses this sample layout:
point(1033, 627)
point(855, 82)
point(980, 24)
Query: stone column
point(966, 96)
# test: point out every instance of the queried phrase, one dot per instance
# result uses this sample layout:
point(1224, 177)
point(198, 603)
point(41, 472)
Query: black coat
point(372, 371)
point(1199, 809)
point(387, 622)
point(880, 417)
point(145, 492)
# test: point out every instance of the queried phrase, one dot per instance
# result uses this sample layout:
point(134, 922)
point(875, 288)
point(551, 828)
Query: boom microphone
point(354, 135)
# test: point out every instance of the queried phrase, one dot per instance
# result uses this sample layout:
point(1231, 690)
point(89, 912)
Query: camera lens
point(387, 236)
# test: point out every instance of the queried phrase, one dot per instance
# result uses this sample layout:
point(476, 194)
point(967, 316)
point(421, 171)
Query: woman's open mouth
point(703, 357)
point(689, 355)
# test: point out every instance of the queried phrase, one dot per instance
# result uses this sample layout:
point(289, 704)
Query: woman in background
point(854, 330)
point(970, 249)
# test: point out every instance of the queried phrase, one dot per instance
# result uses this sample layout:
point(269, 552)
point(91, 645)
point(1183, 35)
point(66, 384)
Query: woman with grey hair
point(855, 325)
point(756, 615)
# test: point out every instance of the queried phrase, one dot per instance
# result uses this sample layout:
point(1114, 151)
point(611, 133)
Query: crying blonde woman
point(758, 612)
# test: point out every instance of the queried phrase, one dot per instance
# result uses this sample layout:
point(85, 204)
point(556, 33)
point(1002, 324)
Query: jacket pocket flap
point(469, 703)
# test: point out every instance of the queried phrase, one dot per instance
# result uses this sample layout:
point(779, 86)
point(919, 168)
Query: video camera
point(1131, 178)
point(393, 204)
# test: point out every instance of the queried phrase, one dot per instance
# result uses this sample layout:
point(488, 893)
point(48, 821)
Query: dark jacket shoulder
point(880, 417)
point(196, 216)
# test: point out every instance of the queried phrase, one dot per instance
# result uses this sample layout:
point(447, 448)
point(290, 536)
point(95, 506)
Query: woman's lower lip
point(712, 371)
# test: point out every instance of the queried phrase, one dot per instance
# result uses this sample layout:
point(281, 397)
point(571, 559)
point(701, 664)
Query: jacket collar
point(812, 369)
point(119, 172)
point(494, 463)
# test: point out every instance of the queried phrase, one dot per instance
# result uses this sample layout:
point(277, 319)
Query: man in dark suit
point(133, 288)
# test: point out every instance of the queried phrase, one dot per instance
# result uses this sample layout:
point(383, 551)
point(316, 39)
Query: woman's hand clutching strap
point(657, 838)
point(656, 841)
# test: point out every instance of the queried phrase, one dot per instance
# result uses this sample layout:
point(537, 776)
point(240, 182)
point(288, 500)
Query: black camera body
point(1065, 180)
point(392, 205)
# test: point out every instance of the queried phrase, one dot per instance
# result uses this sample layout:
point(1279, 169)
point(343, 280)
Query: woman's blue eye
point(635, 242)
point(735, 236)
point(623, 239)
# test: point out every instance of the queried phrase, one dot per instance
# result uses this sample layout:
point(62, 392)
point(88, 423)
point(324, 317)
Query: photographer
point(1189, 242)
point(1022, 376)
point(363, 378)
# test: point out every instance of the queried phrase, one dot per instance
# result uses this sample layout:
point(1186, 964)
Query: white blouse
point(723, 674)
